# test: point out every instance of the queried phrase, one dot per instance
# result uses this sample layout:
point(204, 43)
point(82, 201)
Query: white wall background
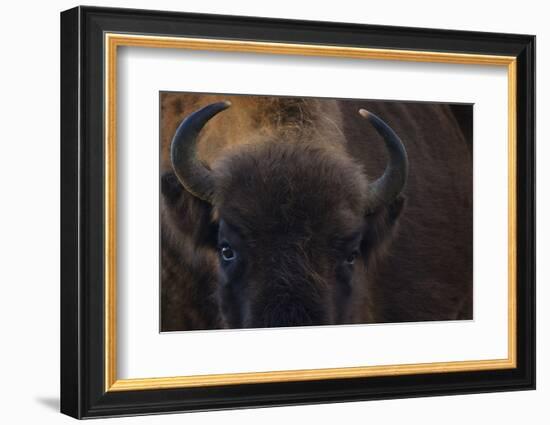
point(29, 211)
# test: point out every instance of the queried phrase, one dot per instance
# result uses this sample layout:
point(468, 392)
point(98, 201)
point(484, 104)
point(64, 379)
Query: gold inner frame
point(113, 41)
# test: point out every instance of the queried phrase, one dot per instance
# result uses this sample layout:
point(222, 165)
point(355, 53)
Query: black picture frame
point(83, 392)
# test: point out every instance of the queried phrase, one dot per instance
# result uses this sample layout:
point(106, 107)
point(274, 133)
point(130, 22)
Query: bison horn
point(193, 174)
point(388, 186)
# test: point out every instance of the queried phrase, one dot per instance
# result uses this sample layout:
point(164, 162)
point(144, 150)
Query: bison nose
point(289, 313)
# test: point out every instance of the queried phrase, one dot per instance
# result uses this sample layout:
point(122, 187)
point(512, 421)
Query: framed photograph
point(261, 212)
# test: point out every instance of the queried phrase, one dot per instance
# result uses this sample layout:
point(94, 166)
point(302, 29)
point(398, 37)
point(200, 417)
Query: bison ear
point(184, 217)
point(380, 228)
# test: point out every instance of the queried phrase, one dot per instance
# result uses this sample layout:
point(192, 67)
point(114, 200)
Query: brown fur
point(290, 203)
point(427, 274)
point(251, 119)
point(319, 153)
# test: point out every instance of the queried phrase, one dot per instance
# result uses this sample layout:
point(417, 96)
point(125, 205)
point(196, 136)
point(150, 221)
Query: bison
point(270, 215)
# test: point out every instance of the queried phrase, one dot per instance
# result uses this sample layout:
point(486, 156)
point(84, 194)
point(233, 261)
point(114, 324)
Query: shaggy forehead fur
point(282, 188)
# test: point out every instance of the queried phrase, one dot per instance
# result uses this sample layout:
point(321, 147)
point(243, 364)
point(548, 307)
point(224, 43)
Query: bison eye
point(350, 259)
point(227, 253)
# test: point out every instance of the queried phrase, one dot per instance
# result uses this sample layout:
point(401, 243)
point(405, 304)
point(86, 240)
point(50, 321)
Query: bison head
point(297, 222)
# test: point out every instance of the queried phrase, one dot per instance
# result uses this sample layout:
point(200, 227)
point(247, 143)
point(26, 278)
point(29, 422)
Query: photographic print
point(297, 211)
point(259, 212)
